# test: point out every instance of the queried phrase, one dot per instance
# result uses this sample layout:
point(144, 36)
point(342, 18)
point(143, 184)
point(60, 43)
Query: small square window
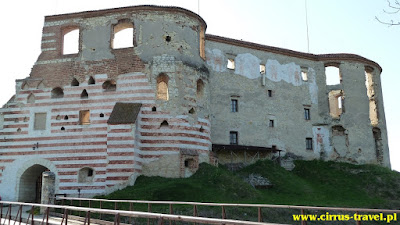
point(231, 64)
point(262, 69)
point(271, 123)
point(234, 105)
point(307, 115)
point(233, 137)
point(270, 93)
point(309, 144)
point(84, 117)
point(304, 73)
point(90, 172)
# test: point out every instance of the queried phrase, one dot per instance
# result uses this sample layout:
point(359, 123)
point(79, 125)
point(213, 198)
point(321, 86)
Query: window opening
point(71, 41)
point(231, 64)
point(333, 75)
point(307, 115)
point(154, 109)
point(164, 124)
point(40, 121)
point(202, 43)
point(271, 123)
point(57, 93)
point(63, 128)
point(234, 105)
point(336, 103)
point(109, 85)
point(200, 88)
point(84, 117)
point(74, 82)
point(369, 83)
point(91, 80)
point(162, 87)
point(201, 129)
point(262, 69)
point(233, 137)
point(378, 144)
point(84, 94)
point(270, 93)
point(304, 73)
point(309, 144)
point(65, 117)
point(123, 35)
point(191, 111)
point(101, 114)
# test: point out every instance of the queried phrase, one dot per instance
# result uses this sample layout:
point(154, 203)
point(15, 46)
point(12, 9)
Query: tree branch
point(395, 8)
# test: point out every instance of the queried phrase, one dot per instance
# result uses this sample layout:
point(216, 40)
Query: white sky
point(335, 26)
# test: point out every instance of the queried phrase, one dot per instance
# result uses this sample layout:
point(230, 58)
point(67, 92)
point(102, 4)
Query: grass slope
point(315, 183)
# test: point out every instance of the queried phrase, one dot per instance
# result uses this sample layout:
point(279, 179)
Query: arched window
point(164, 124)
point(123, 35)
point(70, 40)
point(91, 80)
point(31, 98)
point(109, 85)
point(57, 93)
point(84, 94)
point(200, 88)
point(162, 87)
point(74, 82)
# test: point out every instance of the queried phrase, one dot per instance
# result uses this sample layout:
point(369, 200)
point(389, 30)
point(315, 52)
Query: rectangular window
point(231, 64)
point(40, 121)
point(269, 93)
point(304, 75)
point(307, 115)
point(309, 144)
point(271, 123)
point(84, 117)
point(262, 69)
point(234, 105)
point(233, 137)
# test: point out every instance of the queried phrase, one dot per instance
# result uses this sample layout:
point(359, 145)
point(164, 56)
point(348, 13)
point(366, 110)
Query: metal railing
point(117, 214)
point(223, 206)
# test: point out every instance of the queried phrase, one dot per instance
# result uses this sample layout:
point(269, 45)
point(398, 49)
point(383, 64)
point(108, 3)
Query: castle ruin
point(173, 97)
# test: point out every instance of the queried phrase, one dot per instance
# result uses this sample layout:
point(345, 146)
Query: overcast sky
point(335, 26)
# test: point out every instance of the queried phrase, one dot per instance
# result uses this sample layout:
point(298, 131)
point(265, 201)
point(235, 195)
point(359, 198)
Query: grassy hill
point(314, 183)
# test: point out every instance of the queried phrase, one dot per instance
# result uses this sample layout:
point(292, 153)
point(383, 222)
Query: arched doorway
point(30, 185)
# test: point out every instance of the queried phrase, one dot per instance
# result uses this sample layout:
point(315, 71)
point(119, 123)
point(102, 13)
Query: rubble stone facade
point(173, 98)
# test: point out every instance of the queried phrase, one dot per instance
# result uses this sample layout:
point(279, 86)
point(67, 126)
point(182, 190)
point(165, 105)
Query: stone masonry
point(172, 98)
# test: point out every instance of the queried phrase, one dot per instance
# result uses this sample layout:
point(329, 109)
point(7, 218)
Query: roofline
point(101, 12)
point(288, 52)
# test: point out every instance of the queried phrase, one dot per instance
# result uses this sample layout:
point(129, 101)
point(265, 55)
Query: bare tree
point(393, 8)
